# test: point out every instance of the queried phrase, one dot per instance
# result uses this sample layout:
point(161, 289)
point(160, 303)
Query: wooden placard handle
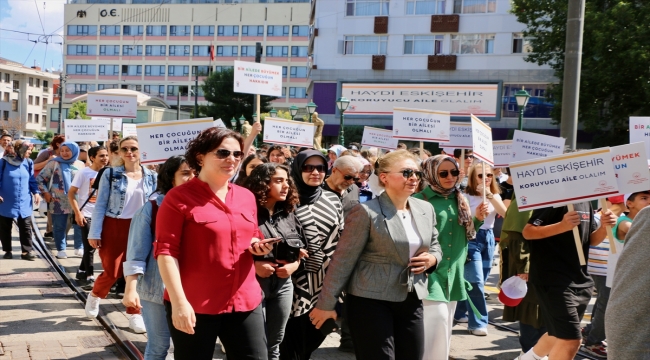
point(576, 237)
point(610, 233)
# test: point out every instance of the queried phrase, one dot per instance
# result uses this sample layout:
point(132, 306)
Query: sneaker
point(479, 332)
point(79, 252)
point(598, 350)
point(28, 256)
point(61, 255)
point(462, 320)
point(136, 323)
point(8, 255)
point(92, 306)
point(48, 234)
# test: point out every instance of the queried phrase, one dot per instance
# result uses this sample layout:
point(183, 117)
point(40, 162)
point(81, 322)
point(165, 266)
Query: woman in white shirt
point(481, 250)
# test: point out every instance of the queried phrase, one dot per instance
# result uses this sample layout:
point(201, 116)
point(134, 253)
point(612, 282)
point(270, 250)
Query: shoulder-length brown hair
point(207, 141)
point(259, 184)
point(472, 181)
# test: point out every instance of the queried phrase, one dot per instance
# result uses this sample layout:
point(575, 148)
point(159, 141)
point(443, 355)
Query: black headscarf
point(308, 194)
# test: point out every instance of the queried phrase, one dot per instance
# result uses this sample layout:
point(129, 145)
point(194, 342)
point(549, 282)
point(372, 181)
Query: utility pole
point(61, 82)
point(572, 67)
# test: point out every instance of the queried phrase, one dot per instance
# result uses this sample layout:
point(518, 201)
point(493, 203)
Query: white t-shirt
point(84, 181)
point(475, 201)
point(133, 199)
point(412, 234)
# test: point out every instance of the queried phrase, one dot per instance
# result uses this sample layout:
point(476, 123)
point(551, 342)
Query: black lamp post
point(522, 97)
point(293, 110)
point(311, 109)
point(342, 103)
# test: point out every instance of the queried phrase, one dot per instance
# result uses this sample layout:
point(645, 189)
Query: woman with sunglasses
point(387, 248)
point(456, 227)
point(206, 236)
point(480, 251)
point(123, 190)
point(321, 215)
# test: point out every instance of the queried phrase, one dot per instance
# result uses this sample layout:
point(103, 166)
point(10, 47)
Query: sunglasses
point(311, 168)
point(469, 156)
point(223, 153)
point(480, 176)
point(127, 149)
point(350, 177)
point(445, 173)
point(407, 173)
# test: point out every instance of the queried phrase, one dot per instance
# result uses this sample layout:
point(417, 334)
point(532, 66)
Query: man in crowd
point(464, 163)
point(5, 140)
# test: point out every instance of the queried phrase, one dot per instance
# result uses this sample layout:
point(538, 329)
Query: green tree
point(46, 137)
point(224, 103)
point(615, 76)
point(78, 107)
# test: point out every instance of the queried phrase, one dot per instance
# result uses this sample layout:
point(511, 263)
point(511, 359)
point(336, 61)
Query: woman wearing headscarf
point(17, 184)
point(456, 227)
point(321, 215)
point(54, 182)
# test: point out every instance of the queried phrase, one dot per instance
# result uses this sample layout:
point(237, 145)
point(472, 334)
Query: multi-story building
point(377, 53)
point(159, 46)
point(24, 95)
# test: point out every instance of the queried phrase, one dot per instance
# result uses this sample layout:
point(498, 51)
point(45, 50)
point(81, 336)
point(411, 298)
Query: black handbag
point(289, 248)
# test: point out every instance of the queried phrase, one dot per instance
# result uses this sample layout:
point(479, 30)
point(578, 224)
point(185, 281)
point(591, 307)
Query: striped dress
point(322, 223)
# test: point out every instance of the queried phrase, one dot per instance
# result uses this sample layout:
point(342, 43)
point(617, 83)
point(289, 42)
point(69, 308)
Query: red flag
point(211, 52)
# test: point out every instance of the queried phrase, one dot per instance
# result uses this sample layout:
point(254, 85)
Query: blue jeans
point(155, 321)
point(278, 298)
point(59, 227)
point(78, 242)
point(477, 270)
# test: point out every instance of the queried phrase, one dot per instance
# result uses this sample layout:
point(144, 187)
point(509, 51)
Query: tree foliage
point(14, 127)
point(78, 107)
point(224, 103)
point(45, 136)
point(615, 76)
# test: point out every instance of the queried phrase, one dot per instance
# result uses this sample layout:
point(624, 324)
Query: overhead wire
point(39, 17)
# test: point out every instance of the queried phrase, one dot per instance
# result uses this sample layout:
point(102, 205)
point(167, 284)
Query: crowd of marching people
point(270, 250)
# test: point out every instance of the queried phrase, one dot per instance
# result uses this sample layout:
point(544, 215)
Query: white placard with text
point(640, 131)
point(129, 130)
point(288, 132)
point(630, 165)
point(460, 136)
point(502, 151)
point(527, 145)
point(159, 141)
point(379, 138)
point(86, 130)
point(256, 78)
point(110, 105)
point(420, 125)
point(482, 141)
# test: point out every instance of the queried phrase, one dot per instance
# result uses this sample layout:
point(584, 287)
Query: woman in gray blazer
point(388, 246)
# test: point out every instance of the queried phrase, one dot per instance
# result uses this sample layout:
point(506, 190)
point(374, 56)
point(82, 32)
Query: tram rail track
point(124, 346)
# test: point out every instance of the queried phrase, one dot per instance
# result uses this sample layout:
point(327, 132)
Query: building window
point(201, 50)
point(46, 86)
point(156, 30)
point(425, 7)
point(109, 30)
point(299, 51)
point(204, 30)
point(36, 118)
point(173, 90)
point(38, 83)
point(472, 44)
point(44, 103)
point(5, 97)
point(109, 50)
point(29, 118)
point(30, 100)
point(131, 50)
point(300, 30)
point(284, 72)
point(5, 115)
point(155, 50)
point(252, 30)
point(154, 70)
point(16, 85)
point(44, 119)
point(182, 30)
point(538, 106)
point(366, 45)
point(82, 30)
point(367, 7)
point(131, 70)
point(520, 45)
point(284, 92)
point(277, 30)
point(474, 6)
point(109, 70)
point(222, 68)
point(423, 44)
point(179, 50)
point(248, 50)
point(79, 69)
point(31, 81)
point(133, 30)
point(37, 101)
point(14, 105)
point(82, 50)
point(298, 72)
point(227, 50)
point(7, 78)
point(79, 89)
point(178, 70)
point(277, 51)
point(228, 30)
point(193, 91)
point(297, 92)
point(203, 70)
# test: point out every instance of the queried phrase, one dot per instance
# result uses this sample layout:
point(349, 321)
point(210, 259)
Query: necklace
point(403, 212)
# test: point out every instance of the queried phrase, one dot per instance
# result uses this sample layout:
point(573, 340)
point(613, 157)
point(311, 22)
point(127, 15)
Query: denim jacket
point(17, 183)
point(139, 255)
point(117, 189)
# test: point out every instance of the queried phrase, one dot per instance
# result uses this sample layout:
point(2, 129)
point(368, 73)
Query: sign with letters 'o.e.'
point(161, 140)
point(111, 105)
point(482, 141)
point(256, 78)
point(86, 130)
point(379, 138)
point(460, 136)
point(502, 151)
point(564, 179)
point(288, 132)
point(129, 130)
point(421, 125)
point(630, 167)
point(527, 145)
point(640, 131)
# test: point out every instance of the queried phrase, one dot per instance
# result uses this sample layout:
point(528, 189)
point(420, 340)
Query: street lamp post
point(293, 110)
point(241, 123)
point(311, 108)
point(233, 124)
point(342, 103)
point(273, 113)
point(522, 97)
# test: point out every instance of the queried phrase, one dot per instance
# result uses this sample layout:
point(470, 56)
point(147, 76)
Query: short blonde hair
point(472, 183)
point(384, 163)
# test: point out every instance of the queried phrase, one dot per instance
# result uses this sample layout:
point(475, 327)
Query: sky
point(22, 15)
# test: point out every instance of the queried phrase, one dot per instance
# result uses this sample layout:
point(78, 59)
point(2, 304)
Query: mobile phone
point(270, 240)
point(328, 327)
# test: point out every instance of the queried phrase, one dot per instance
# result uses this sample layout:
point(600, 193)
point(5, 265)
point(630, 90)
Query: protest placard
point(257, 78)
point(161, 140)
point(219, 123)
point(117, 122)
point(111, 105)
point(419, 124)
point(527, 145)
point(379, 138)
point(482, 141)
point(502, 151)
point(288, 132)
point(640, 131)
point(460, 136)
point(129, 130)
point(86, 130)
point(630, 166)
